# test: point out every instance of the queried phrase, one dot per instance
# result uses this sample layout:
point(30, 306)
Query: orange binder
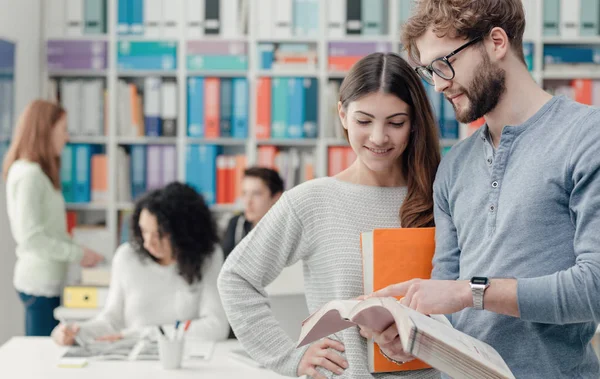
point(221, 179)
point(392, 256)
point(99, 181)
point(212, 88)
point(263, 108)
point(583, 90)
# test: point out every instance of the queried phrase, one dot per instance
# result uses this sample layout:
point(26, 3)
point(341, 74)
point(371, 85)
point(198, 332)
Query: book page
point(329, 319)
point(454, 339)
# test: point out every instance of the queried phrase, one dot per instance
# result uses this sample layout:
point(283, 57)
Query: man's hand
point(388, 341)
point(319, 354)
point(431, 296)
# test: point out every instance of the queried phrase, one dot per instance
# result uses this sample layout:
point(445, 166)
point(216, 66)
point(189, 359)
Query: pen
point(176, 325)
point(160, 329)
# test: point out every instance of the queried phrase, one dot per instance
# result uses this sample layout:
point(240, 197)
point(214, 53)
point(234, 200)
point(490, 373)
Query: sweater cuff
point(291, 367)
point(536, 301)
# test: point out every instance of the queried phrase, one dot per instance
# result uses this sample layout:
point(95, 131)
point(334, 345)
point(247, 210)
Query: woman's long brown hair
point(32, 139)
point(391, 74)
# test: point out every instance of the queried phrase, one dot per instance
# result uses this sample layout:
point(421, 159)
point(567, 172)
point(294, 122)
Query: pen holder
point(170, 352)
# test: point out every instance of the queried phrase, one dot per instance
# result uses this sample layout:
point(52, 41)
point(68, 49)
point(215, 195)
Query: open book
point(431, 339)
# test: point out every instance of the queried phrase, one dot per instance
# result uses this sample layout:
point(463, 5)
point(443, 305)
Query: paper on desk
point(198, 349)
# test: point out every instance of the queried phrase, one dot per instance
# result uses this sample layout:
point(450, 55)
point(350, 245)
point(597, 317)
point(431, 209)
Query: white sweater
point(144, 294)
point(318, 222)
point(36, 212)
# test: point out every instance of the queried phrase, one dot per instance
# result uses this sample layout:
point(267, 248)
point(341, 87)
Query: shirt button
point(492, 208)
point(494, 184)
point(489, 160)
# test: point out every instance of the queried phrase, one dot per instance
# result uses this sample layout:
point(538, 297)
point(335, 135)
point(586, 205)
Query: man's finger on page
point(398, 289)
point(333, 344)
point(327, 364)
point(313, 373)
point(335, 358)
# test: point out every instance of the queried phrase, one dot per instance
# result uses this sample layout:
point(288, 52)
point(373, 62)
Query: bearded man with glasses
point(517, 204)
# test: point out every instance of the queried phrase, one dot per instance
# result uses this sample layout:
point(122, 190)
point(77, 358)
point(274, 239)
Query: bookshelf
point(7, 93)
point(249, 146)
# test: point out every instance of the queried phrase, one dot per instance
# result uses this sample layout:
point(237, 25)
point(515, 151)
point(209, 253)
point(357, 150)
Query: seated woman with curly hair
point(167, 273)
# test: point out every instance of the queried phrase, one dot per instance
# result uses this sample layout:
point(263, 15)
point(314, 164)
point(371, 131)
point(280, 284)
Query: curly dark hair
point(181, 214)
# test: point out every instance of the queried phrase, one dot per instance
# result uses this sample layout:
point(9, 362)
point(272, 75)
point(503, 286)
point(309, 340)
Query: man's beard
point(487, 87)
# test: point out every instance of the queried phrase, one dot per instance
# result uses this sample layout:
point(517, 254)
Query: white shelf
point(86, 206)
point(218, 38)
point(572, 74)
point(292, 142)
point(75, 314)
point(125, 206)
point(77, 73)
point(145, 73)
point(88, 139)
point(129, 206)
point(571, 41)
point(217, 141)
point(144, 140)
point(330, 142)
point(364, 38)
point(225, 208)
point(336, 74)
point(84, 37)
point(293, 39)
point(142, 38)
point(219, 74)
point(285, 73)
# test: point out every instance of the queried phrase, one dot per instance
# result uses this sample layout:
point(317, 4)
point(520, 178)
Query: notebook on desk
point(123, 350)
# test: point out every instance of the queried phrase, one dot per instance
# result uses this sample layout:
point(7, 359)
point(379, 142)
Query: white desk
point(37, 358)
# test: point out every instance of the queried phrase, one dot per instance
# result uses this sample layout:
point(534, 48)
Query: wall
point(20, 23)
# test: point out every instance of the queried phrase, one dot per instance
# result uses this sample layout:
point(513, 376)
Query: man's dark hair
point(269, 176)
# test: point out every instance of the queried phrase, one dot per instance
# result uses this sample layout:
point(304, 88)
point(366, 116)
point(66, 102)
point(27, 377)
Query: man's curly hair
point(466, 19)
point(184, 217)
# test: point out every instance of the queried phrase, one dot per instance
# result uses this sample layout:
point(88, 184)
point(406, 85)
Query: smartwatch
point(478, 286)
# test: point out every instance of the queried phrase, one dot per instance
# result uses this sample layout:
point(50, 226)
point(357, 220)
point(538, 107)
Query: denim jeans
point(39, 314)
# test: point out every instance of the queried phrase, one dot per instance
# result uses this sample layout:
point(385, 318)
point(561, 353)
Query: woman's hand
point(90, 258)
point(65, 334)
point(110, 337)
point(389, 343)
point(319, 354)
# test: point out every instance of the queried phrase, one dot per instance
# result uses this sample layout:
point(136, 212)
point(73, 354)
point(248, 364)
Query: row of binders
point(294, 166)
point(143, 168)
point(72, 18)
point(165, 18)
point(217, 107)
point(7, 88)
point(567, 18)
point(287, 107)
point(585, 91)
point(84, 174)
point(85, 103)
point(149, 112)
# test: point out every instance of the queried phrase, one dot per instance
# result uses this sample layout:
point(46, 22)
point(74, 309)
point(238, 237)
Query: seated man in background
point(167, 273)
point(261, 188)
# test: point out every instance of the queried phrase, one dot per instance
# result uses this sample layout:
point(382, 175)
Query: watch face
point(478, 280)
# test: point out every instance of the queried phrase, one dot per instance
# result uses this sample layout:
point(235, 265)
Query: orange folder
point(392, 256)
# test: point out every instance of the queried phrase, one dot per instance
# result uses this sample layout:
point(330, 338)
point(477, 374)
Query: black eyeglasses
point(441, 66)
